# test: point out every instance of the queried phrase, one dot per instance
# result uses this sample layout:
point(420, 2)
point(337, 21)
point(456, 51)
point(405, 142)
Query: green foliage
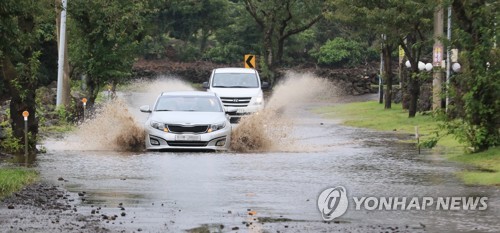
point(338, 52)
point(476, 88)
point(193, 22)
point(13, 179)
point(279, 20)
point(11, 144)
point(432, 140)
point(225, 54)
point(28, 72)
point(154, 47)
point(105, 39)
point(188, 53)
point(224, 46)
point(64, 115)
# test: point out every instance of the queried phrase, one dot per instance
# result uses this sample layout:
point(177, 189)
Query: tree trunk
point(404, 87)
point(414, 90)
point(279, 54)
point(268, 49)
point(386, 51)
point(92, 91)
point(203, 40)
point(269, 55)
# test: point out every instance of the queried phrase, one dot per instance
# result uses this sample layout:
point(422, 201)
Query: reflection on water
point(186, 190)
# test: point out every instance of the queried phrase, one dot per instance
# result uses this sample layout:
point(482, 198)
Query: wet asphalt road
point(216, 191)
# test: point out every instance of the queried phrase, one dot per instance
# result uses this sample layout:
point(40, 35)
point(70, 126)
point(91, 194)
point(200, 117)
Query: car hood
point(237, 92)
point(187, 118)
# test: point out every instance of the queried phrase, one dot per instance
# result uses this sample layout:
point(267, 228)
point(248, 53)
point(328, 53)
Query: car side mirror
point(230, 110)
point(205, 85)
point(145, 108)
point(265, 85)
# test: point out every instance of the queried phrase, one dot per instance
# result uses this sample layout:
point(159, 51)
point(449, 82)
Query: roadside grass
point(372, 115)
point(61, 128)
point(487, 164)
point(13, 179)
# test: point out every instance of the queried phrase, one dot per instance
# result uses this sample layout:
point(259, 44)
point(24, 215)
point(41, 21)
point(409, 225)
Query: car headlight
point(215, 127)
point(259, 100)
point(159, 126)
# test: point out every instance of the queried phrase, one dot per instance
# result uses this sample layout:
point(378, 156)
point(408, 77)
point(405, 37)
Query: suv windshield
point(188, 103)
point(238, 80)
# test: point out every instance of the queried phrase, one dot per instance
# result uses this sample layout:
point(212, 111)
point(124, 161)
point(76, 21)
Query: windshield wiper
point(164, 110)
point(222, 86)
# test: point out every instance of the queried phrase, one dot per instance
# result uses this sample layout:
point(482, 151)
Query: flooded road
point(270, 191)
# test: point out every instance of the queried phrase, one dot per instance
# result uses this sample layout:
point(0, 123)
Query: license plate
point(187, 137)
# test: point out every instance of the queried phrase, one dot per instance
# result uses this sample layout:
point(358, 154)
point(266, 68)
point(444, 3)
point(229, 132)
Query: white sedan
point(189, 120)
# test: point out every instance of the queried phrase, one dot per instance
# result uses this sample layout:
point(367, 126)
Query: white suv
point(240, 90)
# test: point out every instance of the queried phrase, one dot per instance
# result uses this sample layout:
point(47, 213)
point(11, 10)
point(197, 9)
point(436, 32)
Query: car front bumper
point(158, 140)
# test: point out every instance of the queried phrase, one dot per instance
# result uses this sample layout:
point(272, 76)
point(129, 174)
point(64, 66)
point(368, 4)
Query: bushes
point(340, 52)
point(225, 54)
point(10, 144)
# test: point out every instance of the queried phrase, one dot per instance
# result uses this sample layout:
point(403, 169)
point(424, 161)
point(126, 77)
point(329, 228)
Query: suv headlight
point(159, 126)
point(215, 127)
point(259, 100)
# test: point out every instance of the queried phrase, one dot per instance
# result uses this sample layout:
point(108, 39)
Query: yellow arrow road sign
point(249, 61)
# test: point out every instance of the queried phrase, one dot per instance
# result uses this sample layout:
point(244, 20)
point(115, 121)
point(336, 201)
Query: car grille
point(187, 129)
point(235, 101)
point(187, 143)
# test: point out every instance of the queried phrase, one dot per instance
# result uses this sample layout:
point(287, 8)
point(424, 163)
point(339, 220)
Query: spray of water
point(112, 128)
point(118, 124)
point(271, 129)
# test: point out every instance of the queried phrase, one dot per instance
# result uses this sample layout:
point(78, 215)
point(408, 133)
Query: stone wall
point(356, 81)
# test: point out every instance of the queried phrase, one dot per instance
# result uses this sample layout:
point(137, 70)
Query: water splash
point(118, 124)
point(272, 128)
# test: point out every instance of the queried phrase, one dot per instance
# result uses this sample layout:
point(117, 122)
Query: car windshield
point(241, 80)
point(189, 103)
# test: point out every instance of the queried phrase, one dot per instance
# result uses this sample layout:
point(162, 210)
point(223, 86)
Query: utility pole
point(437, 75)
point(448, 59)
point(60, 63)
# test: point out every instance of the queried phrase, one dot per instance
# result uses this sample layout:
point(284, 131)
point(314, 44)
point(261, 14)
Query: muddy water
point(270, 129)
point(179, 191)
point(118, 124)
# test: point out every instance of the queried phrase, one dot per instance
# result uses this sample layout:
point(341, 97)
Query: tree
point(477, 87)
point(405, 23)
point(239, 36)
point(280, 19)
point(24, 27)
point(103, 41)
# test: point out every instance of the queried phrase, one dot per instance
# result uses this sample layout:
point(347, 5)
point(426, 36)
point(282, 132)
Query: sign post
point(25, 115)
point(109, 92)
point(400, 66)
point(84, 101)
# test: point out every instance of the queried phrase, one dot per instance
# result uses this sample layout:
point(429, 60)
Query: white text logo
point(332, 203)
